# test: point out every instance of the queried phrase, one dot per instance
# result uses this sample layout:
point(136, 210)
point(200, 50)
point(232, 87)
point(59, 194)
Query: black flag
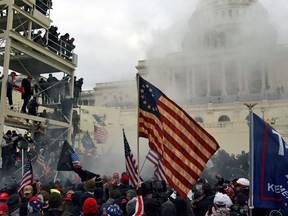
point(85, 175)
point(68, 159)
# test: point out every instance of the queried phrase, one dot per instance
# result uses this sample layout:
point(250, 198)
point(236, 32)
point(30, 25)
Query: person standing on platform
point(7, 152)
point(69, 48)
point(33, 106)
point(26, 95)
point(11, 83)
point(53, 88)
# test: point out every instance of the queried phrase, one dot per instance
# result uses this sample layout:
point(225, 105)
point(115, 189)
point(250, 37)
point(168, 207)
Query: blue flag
point(270, 188)
point(87, 141)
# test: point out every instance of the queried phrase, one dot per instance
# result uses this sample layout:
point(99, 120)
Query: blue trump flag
point(87, 141)
point(270, 170)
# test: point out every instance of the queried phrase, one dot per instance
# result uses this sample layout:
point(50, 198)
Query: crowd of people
point(51, 90)
point(217, 192)
point(63, 45)
point(114, 195)
point(44, 5)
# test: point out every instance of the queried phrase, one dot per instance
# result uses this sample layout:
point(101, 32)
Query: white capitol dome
point(229, 24)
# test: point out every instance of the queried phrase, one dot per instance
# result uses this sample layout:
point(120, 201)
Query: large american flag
point(131, 164)
point(27, 178)
point(157, 161)
point(100, 134)
point(182, 143)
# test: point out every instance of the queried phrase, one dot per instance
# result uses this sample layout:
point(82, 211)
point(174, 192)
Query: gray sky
point(112, 35)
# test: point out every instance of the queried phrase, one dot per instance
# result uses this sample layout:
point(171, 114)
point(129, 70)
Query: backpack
point(222, 212)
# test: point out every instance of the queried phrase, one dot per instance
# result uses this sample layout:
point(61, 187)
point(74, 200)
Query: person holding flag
point(69, 161)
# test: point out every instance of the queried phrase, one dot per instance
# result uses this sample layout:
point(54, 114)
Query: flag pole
point(143, 165)
point(22, 161)
point(251, 149)
point(138, 151)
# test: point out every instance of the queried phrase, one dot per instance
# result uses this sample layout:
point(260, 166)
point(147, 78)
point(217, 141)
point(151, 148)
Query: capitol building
point(230, 56)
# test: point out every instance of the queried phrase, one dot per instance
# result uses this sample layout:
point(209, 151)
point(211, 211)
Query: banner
point(270, 173)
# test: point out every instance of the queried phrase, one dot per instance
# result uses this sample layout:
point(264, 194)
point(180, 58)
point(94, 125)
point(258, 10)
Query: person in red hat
point(4, 211)
point(90, 207)
point(67, 203)
point(3, 197)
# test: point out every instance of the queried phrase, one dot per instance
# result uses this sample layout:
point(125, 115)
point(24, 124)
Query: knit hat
point(55, 200)
point(46, 187)
point(4, 196)
point(90, 185)
point(13, 200)
point(34, 205)
point(28, 189)
point(3, 208)
point(76, 197)
point(222, 199)
point(113, 210)
point(90, 206)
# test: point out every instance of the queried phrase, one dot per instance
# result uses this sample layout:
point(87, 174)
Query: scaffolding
point(20, 52)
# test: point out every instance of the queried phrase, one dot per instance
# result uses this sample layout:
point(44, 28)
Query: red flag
point(155, 158)
point(182, 143)
point(131, 164)
point(27, 178)
point(100, 134)
point(20, 89)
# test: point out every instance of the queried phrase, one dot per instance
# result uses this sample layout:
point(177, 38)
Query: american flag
point(131, 164)
point(182, 143)
point(75, 160)
point(44, 165)
point(156, 160)
point(27, 178)
point(139, 209)
point(100, 134)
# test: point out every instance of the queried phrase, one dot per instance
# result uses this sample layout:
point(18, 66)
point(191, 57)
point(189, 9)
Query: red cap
point(4, 196)
point(68, 197)
point(125, 179)
point(3, 208)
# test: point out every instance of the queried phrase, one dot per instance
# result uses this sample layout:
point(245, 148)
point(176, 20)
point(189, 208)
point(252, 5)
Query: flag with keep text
point(270, 173)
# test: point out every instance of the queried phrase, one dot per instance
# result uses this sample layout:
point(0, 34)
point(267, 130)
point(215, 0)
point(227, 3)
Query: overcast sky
point(111, 36)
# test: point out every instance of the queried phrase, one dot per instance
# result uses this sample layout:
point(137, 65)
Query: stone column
point(224, 90)
point(208, 83)
point(193, 82)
